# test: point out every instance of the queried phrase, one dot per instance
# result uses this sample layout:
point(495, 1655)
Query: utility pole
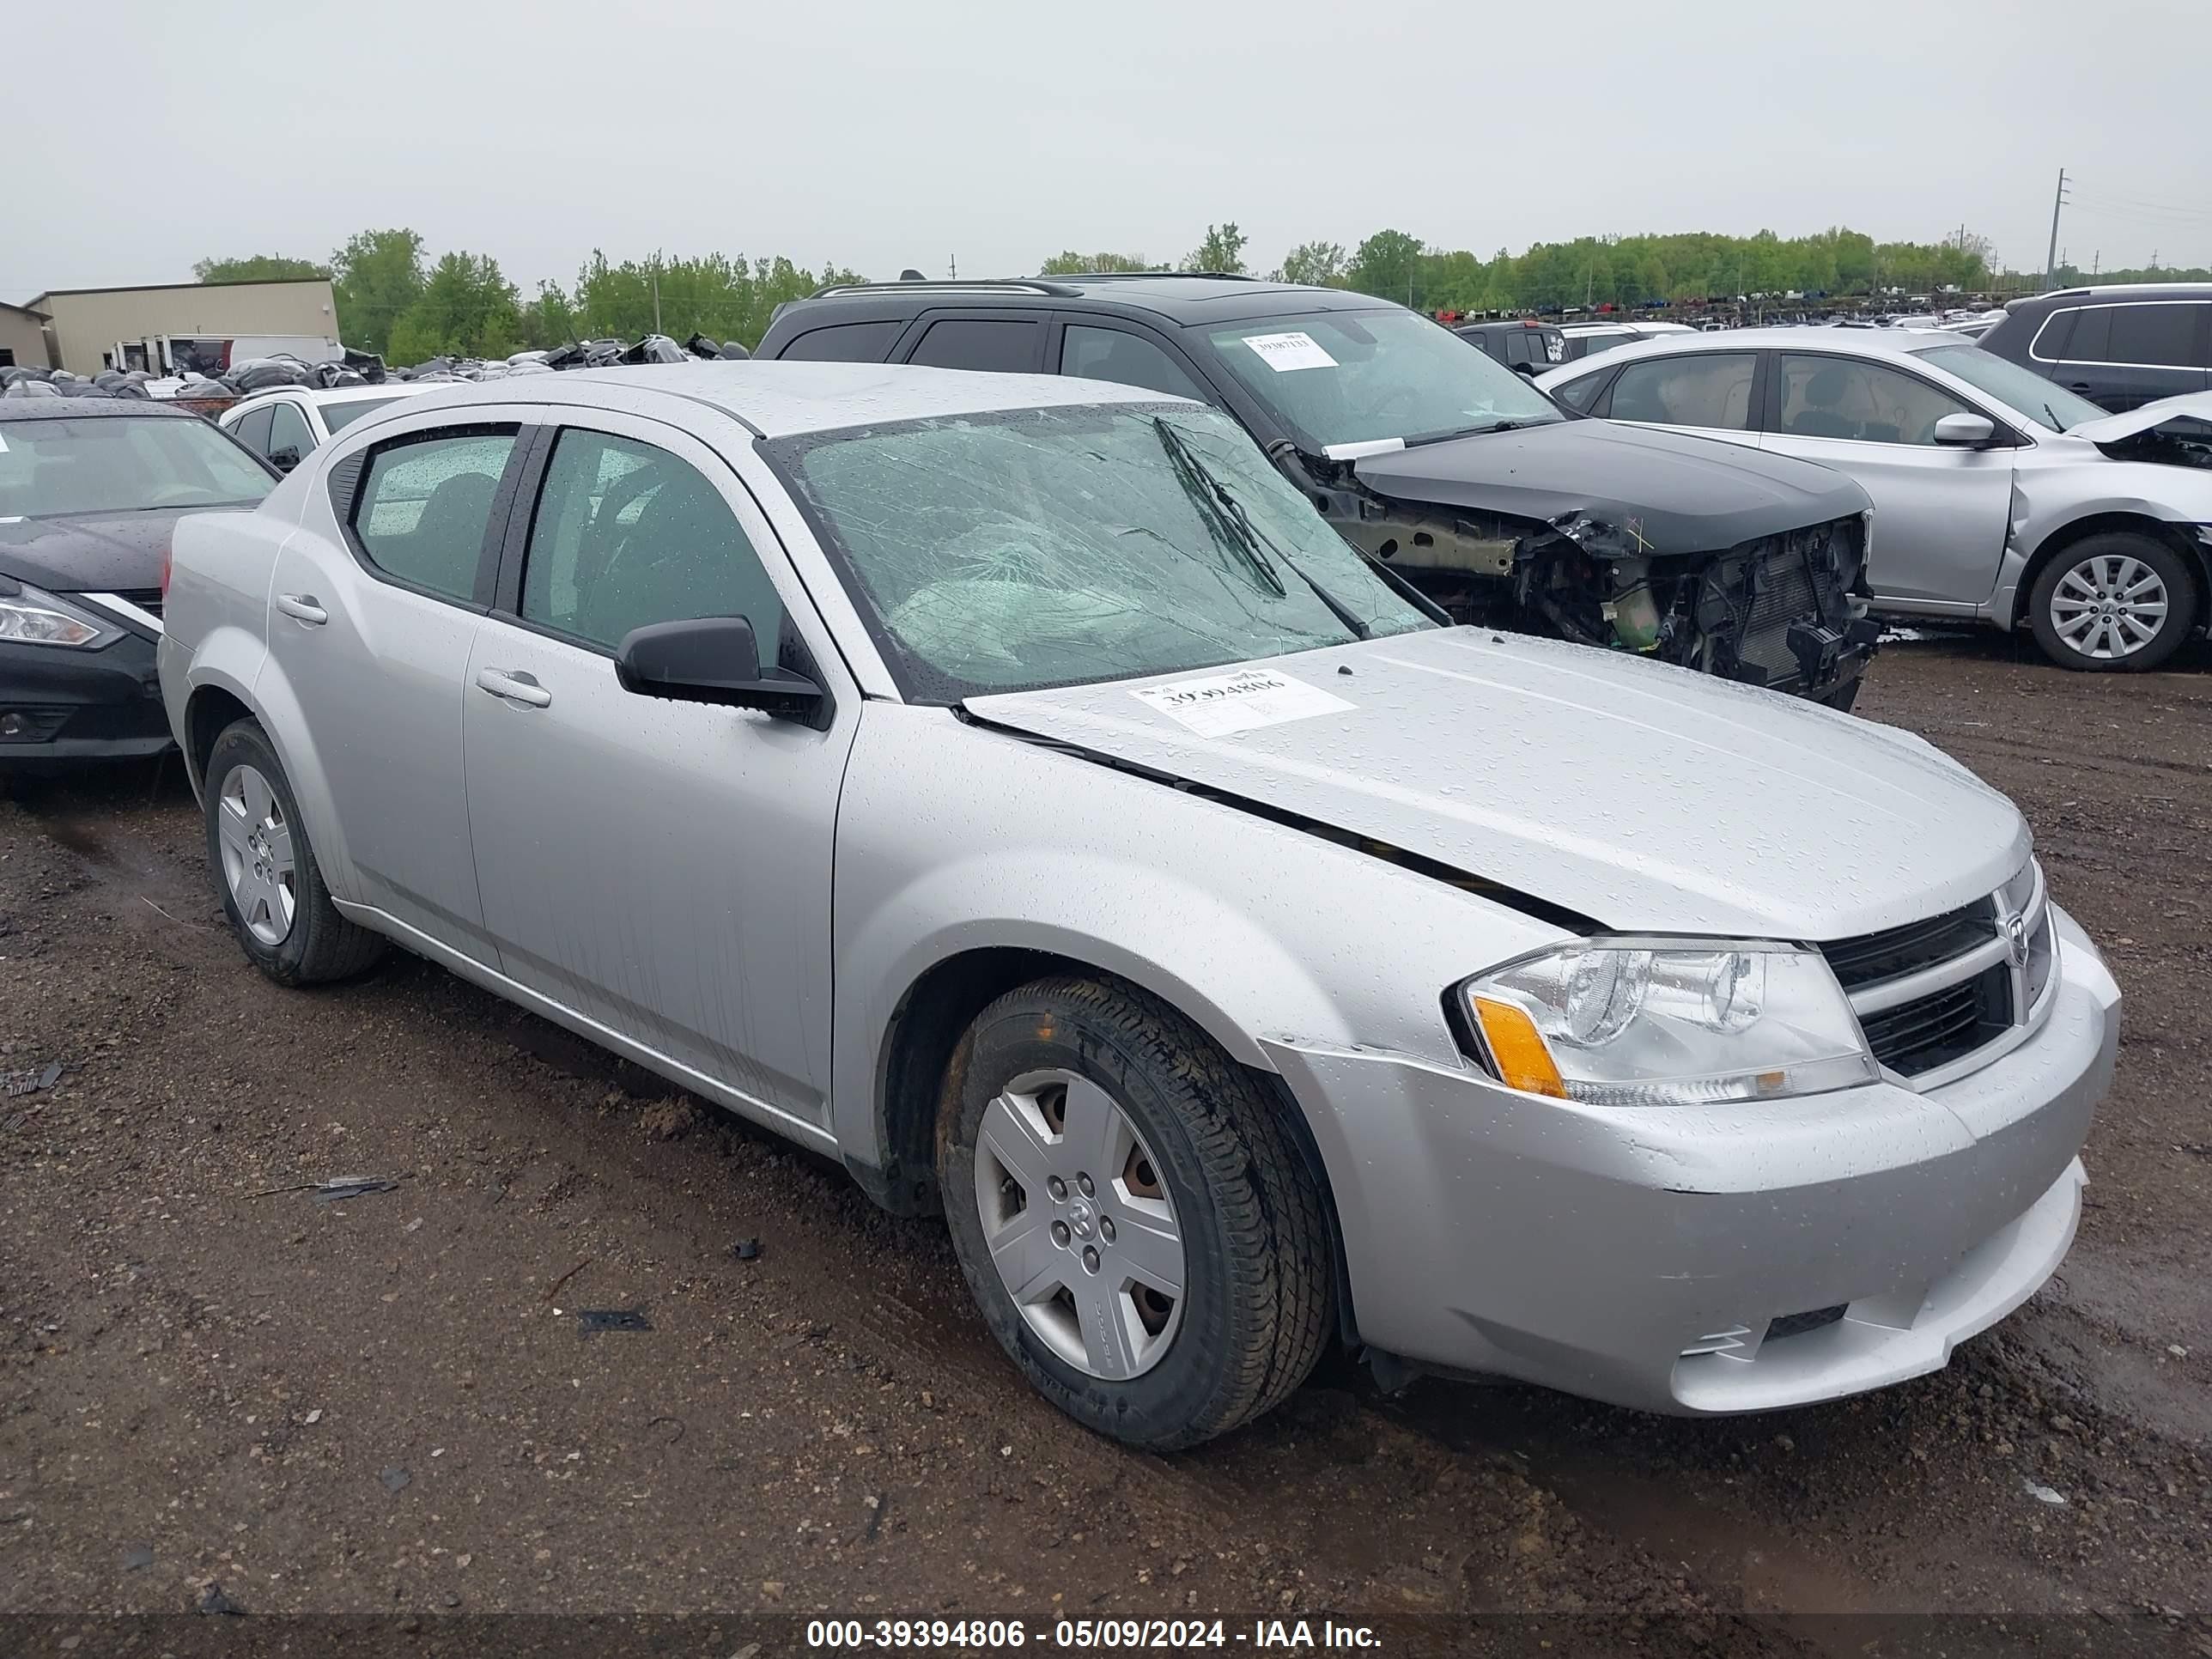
point(2050, 260)
point(656, 294)
point(2153, 258)
point(2096, 262)
point(952, 267)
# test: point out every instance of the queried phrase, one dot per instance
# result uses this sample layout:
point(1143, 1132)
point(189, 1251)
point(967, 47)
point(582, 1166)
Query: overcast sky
point(881, 133)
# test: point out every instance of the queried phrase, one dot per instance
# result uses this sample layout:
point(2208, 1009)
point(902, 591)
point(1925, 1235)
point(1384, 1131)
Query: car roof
point(339, 394)
point(97, 409)
point(1181, 299)
point(1894, 344)
point(2113, 294)
point(781, 400)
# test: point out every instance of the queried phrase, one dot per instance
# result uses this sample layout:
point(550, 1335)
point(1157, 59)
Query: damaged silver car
point(1013, 787)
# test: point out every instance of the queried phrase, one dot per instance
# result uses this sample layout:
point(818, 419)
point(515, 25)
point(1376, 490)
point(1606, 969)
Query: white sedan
point(1999, 496)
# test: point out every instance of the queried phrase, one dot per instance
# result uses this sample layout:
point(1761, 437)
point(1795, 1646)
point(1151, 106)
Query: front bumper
point(1640, 1256)
point(79, 706)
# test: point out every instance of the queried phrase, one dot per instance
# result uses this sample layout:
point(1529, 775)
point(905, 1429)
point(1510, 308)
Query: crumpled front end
point(1785, 611)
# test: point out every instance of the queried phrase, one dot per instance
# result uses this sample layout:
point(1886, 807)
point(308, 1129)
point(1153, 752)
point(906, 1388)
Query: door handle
point(513, 686)
point(303, 607)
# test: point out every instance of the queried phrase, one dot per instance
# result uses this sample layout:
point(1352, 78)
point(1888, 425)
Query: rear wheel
point(2113, 602)
point(1139, 1228)
point(272, 889)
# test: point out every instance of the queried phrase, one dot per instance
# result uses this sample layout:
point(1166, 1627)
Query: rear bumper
point(75, 707)
point(1641, 1257)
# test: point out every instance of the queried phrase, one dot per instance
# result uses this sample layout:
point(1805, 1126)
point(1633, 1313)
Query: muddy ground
point(385, 1405)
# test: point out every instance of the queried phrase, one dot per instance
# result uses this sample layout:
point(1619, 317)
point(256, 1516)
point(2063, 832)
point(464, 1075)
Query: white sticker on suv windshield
point(1242, 702)
point(1284, 352)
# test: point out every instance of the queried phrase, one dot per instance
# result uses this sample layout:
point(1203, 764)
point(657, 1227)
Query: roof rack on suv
point(1153, 275)
point(994, 285)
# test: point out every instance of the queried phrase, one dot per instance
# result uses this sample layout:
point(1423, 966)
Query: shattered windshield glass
point(1358, 377)
point(1005, 552)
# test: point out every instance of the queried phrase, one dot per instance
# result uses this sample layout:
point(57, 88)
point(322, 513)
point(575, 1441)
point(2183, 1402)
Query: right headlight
point(1667, 1023)
point(31, 617)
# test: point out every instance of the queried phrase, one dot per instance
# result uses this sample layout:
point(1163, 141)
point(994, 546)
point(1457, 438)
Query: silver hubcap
point(257, 855)
point(1079, 1224)
point(2109, 606)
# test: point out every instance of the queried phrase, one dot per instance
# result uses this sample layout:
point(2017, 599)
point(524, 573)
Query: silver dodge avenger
point(1014, 788)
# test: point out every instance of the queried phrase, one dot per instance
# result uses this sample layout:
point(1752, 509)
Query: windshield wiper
point(1193, 471)
point(1212, 503)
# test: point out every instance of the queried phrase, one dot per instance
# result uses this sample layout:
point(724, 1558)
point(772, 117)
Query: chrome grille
point(1939, 996)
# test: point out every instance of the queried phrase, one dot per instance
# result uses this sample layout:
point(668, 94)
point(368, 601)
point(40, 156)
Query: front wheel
point(1131, 1213)
point(2114, 602)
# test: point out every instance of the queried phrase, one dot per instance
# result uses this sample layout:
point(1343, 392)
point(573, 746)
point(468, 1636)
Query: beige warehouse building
point(86, 323)
point(22, 337)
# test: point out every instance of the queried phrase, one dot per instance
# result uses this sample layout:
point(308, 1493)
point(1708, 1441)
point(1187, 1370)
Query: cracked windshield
point(1052, 547)
point(1342, 377)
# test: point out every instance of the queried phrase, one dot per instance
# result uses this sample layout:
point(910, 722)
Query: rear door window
point(1702, 389)
point(2159, 337)
point(1112, 354)
point(845, 343)
point(2092, 339)
point(425, 506)
point(1007, 345)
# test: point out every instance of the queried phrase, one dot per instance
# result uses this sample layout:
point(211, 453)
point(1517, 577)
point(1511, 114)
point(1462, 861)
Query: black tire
point(1260, 1281)
point(2173, 568)
point(322, 945)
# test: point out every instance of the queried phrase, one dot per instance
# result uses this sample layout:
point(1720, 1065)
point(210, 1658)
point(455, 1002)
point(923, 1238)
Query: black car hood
point(89, 552)
point(1662, 492)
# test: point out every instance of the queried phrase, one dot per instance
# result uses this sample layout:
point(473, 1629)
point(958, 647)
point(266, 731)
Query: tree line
point(394, 300)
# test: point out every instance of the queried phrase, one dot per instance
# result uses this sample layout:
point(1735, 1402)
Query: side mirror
point(1965, 431)
point(714, 659)
point(284, 459)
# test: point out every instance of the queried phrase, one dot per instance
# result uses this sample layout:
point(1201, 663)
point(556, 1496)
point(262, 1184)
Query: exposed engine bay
point(1786, 610)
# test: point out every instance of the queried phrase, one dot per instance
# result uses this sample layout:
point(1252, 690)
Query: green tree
point(548, 320)
point(1223, 250)
point(378, 277)
point(1318, 264)
point(257, 268)
point(1386, 265)
point(714, 295)
point(1072, 264)
point(467, 308)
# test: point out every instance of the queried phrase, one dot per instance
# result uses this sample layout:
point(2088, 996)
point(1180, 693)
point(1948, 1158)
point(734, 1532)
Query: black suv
point(1442, 464)
point(1530, 347)
point(2120, 346)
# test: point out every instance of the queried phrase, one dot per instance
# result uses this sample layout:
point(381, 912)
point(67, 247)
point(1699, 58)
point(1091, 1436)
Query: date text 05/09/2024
point(1282, 1635)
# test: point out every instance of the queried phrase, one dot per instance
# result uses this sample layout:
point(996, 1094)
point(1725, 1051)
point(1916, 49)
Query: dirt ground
point(386, 1405)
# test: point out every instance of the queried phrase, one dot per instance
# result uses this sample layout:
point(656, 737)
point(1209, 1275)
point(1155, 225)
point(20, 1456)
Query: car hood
point(2190, 405)
point(1641, 796)
point(87, 553)
point(1659, 492)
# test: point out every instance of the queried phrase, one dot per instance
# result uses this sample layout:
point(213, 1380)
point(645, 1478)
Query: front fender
point(953, 839)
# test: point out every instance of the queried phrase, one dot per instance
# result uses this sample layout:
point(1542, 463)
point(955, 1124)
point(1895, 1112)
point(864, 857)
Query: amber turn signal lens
point(1523, 1061)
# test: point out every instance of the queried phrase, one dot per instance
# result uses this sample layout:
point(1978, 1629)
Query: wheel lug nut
point(1060, 1234)
point(1106, 1228)
point(1089, 1259)
point(1083, 1182)
point(1058, 1188)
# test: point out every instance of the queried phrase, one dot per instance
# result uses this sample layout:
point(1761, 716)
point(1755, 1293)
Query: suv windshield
point(1335, 378)
point(123, 463)
point(2045, 402)
point(1006, 552)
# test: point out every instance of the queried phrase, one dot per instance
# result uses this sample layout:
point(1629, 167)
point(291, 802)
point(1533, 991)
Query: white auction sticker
point(1242, 702)
point(1284, 352)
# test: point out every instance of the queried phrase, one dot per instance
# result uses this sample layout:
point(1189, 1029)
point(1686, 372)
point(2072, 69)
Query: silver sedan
point(1014, 789)
point(1999, 496)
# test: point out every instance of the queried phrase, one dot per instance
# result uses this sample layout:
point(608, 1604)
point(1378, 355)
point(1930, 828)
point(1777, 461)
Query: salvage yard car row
point(939, 769)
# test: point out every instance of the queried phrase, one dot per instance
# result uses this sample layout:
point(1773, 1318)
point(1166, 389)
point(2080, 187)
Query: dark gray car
point(2119, 346)
point(1443, 466)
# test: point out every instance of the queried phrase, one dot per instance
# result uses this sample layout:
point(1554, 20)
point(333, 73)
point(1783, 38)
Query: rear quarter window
point(844, 343)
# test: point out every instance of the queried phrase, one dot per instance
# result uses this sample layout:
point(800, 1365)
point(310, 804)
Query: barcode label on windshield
point(1242, 702)
point(1284, 352)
